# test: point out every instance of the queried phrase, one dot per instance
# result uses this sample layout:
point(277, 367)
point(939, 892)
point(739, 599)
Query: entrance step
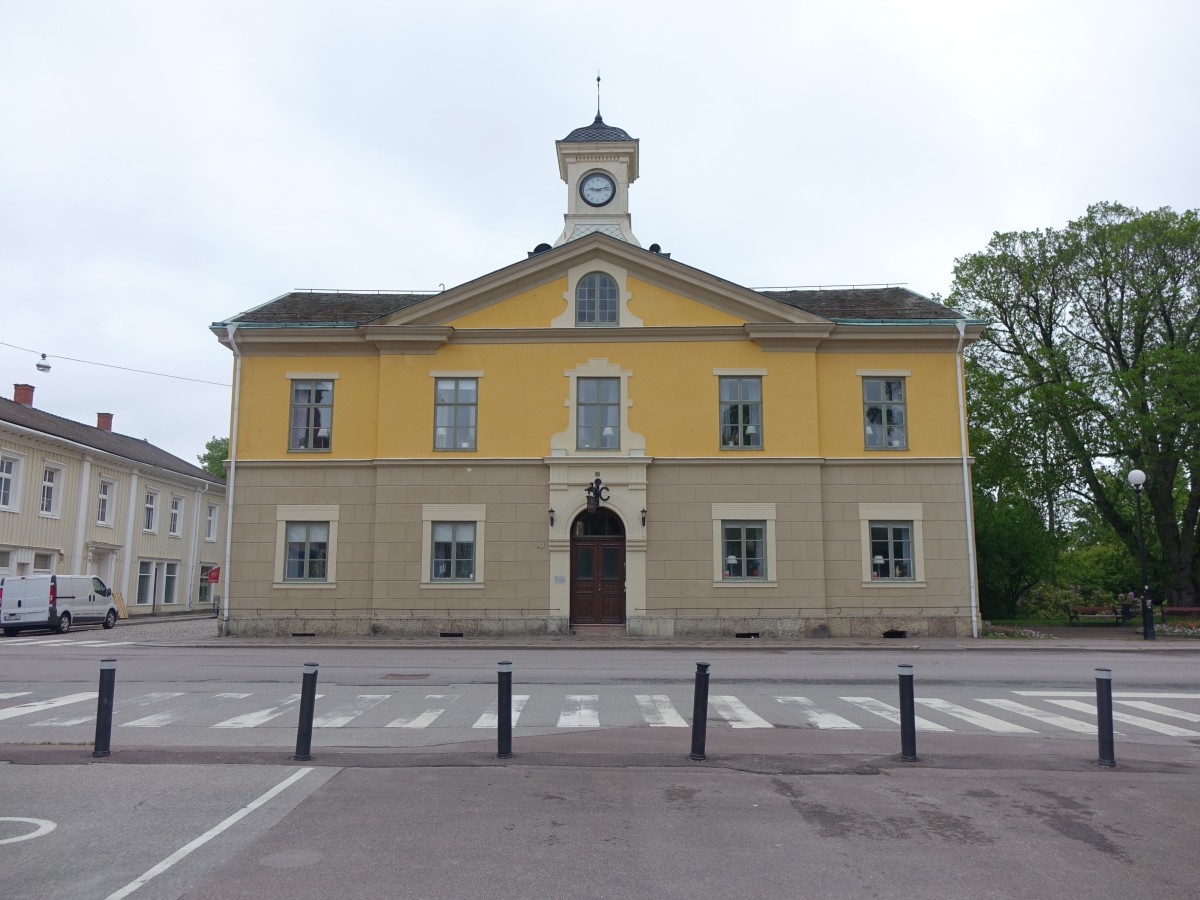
point(598, 631)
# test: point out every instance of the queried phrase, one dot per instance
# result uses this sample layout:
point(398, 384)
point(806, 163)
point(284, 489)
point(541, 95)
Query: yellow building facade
point(600, 438)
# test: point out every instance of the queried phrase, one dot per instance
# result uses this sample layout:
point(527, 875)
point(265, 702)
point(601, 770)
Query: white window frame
point(565, 442)
point(6, 556)
point(210, 524)
point(457, 530)
point(170, 583)
point(151, 574)
point(285, 514)
point(569, 316)
point(456, 377)
point(10, 481)
point(743, 512)
point(46, 557)
point(52, 490)
point(106, 498)
point(150, 510)
point(452, 512)
point(315, 430)
point(175, 516)
point(596, 302)
point(740, 376)
point(901, 375)
point(913, 513)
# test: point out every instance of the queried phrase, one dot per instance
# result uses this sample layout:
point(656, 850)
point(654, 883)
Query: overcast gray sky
point(169, 164)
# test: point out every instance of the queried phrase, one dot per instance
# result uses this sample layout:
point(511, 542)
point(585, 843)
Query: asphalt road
point(600, 799)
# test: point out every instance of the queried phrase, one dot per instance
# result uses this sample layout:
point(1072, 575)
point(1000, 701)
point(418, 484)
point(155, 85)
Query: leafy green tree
point(1014, 552)
point(215, 453)
point(1095, 334)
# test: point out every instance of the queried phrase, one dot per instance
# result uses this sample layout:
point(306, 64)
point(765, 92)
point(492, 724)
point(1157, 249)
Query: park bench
point(1077, 615)
point(1191, 612)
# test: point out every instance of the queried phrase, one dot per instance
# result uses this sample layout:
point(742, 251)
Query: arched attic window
point(596, 300)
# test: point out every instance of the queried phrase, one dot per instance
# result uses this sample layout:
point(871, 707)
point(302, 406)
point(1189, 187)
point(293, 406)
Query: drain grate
point(395, 677)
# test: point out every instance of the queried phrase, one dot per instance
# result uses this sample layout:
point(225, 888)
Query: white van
point(54, 601)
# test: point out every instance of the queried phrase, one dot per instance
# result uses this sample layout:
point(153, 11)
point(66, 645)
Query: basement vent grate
point(452, 634)
point(895, 633)
point(747, 634)
point(395, 677)
point(304, 634)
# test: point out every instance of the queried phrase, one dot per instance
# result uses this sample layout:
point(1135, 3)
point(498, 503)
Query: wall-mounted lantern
point(643, 517)
point(552, 517)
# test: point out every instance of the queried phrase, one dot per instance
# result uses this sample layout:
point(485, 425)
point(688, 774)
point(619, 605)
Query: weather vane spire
point(597, 94)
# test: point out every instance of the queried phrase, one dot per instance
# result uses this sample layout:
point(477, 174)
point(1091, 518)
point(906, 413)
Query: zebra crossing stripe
point(1161, 710)
point(983, 720)
point(817, 717)
point(132, 703)
point(490, 717)
point(346, 714)
point(1150, 724)
point(737, 713)
point(39, 705)
point(583, 712)
point(1145, 695)
point(259, 717)
point(1048, 718)
point(427, 718)
point(659, 712)
point(12, 694)
point(871, 705)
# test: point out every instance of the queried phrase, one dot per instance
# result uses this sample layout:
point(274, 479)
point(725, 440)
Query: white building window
point(145, 587)
point(10, 482)
point(150, 512)
point(596, 299)
point(105, 500)
point(455, 410)
point(5, 562)
point(210, 523)
point(176, 515)
point(158, 581)
point(171, 583)
point(453, 551)
point(306, 541)
point(52, 487)
point(311, 415)
point(43, 563)
point(885, 413)
point(599, 414)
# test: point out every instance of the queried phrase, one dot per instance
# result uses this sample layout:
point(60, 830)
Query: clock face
point(597, 189)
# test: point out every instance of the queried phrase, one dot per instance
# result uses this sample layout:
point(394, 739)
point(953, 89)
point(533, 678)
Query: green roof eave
point(841, 321)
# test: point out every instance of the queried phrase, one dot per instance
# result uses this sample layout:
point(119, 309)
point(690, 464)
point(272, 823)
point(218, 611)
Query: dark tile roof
point(131, 448)
point(598, 131)
point(327, 308)
point(848, 304)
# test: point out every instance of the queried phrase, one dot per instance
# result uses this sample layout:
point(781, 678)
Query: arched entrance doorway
point(598, 569)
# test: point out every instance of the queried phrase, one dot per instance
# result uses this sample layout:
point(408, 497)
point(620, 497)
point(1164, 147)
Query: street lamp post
point(1137, 478)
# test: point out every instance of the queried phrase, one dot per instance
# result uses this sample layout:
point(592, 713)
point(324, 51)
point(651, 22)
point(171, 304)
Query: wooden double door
point(598, 569)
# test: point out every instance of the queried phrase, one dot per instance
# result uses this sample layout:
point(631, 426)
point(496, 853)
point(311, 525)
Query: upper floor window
point(210, 523)
point(596, 300)
point(312, 415)
point(741, 412)
point(104, 502)
point(307, 551)
point(51, 493)
point(598, 414)
point(884, 414)
point(150, 511)
point(10, 480)
point(454, 413)
point(174, 520)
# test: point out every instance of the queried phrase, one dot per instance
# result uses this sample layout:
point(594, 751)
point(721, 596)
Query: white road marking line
point(983, 720)
point(879, 708)
point(262, 716)
point(161, 719)
point(232, 696)
point(14, 641)
point(659, 711)
point(1161, 710)
point(12, 694)
point(207, 836)
point(349, 711)
point(101, 643)
point(582, 712)
point(817, 717)
point(491, 715)
point(1145, 695)
point(1048, 718)
point(118, 707)
point(1149, 724)
point(37, 706)
point(737, 713)
point(425, 719)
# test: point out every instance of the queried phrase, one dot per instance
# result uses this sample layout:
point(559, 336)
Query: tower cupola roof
point(598, 131)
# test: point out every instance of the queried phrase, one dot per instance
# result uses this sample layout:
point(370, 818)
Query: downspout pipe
point(231, 328)
point(968, 506)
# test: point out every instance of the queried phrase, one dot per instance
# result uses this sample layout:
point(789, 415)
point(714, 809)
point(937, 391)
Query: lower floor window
point(892, 551)
point(744, 546)
point(453, 551)
point(158, 580)
point(307, 551)
point(205, 585)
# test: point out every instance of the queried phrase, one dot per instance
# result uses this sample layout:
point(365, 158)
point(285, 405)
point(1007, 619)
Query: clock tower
point(598, 162)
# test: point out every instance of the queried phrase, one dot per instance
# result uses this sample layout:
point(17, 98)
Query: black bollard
point(700, 712)
point(308, 705)
point(504, 710)
point(104, 706)
point(1104, 717)
point(908, 715)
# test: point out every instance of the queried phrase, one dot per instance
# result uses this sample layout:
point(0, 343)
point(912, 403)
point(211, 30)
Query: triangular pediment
point(714, 301)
